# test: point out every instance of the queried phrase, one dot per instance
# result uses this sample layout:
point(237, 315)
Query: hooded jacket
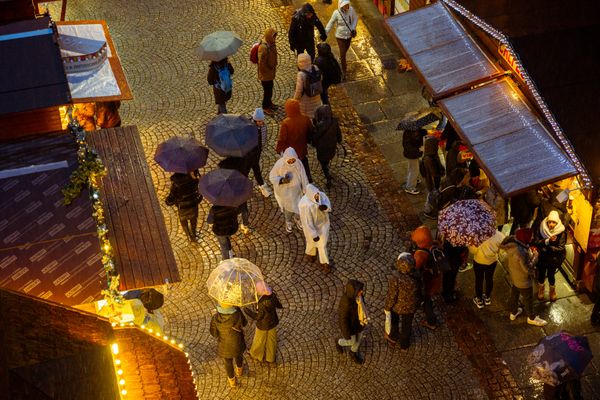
point(221, 97)
point(326, 134)
point(345, 21)
point(423, 239)
point(520, 262)
point(348, 310)
point(228, 330)
point(487, 252)
point(551, 252)
point(402, 294)
point(329, 66)
point(412, 141)
point(315, 223)
point(267, 56)
point(308, 105)
point(294, 130)
point(302, 29)
point(265, 311)
point(432, 163)
point(184, 194)
point(288, 195)
point(224, 220)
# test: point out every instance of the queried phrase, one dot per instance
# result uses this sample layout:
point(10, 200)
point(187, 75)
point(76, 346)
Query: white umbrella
point(234, 282)
point(219, 45)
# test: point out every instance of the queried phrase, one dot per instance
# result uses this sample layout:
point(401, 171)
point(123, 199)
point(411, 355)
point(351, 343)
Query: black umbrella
point(151, 298)
point(231, 135)
point(414, 120)
point(179, 154)
point(225, 187)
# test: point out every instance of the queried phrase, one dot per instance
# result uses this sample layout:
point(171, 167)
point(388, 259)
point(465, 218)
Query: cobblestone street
point(156, 43)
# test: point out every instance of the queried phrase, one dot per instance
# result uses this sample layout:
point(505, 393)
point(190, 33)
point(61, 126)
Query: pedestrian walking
point(309, 86)
point(345, 19)
point(289, 183)
point(220, 77)
point(314, 210)
point(301, 34)
point(267, 68)
point(242, 165)
point(432, 172)
point(107, 114)
point(226, 325)
point(326, 135)
point(432, 279)
point(184, 194)
point(264, 345)
point(329, 67)
point(485, 259)
point(259, 120)
point(224, 222)
point(412, 141)
point(550, 241)
point(401, 301)
point(353, 318)
point(294, 132)
point(521, 268)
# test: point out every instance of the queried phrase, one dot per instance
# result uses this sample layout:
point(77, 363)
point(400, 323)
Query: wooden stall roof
point(137, 231)
point(441, 51)
point(507, 138)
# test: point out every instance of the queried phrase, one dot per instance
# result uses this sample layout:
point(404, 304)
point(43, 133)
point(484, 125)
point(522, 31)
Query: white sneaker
point(537, 321)
point(231, 255)
point(264, 189)
point(412, 191)
point(288, 227)
point(298, 224)
point(514, 316)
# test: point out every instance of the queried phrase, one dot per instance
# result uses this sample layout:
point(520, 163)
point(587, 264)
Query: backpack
point(437, 262)
point(312, 84)
point(254, 53)
point(225, 83)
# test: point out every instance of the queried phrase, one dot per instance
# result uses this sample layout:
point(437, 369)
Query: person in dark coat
point(224, 222)
point(301, 34)
point(456, 256)
point(570, 390)
point(522, 208)
point(433, 172)
point(254, 158)
point(329, 67)
point(401, 301)
point(226, 326)
point(221, 96)
point(353, 318)
point(550, 240)
point(184, 194)
point(326, 135)
point(412, 141)
point(264, 345)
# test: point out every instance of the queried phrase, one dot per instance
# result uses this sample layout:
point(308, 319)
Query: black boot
point(339, 348)
point(357, 358)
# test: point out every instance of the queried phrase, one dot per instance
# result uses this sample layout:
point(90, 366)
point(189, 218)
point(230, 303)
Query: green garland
point(90, 164)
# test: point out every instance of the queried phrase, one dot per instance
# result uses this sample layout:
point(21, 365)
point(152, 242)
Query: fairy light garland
point(502, 38)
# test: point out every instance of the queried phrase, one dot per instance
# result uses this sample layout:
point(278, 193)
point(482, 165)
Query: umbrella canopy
point(179, 154)
point(467, 223)
point(416, 120)
point(231, 135)
point(225, 187)
point(234, 282)
point(219, 45)
point(560, 357)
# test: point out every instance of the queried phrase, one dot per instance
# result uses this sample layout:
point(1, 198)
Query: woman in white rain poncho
point(314, 215)
point(289, 182)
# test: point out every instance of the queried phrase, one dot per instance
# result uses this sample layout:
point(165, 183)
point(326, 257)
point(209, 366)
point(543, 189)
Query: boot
point(357, 358)
point(232, 382)
point(540, 293)
point(326, 268)
point(553, 295)
point(239, 371)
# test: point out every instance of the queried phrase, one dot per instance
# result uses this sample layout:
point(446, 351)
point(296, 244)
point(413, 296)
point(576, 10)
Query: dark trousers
point(546, 271)
point(325, 95)
point(484, 272)
point(225, 245)
point(267, 100)
point(307, 169)
point(257, 174)
point(239, 362)
point(595, 317)
point(448, 283)
point(527, 295)
point(243, 208)
point(343, 45)
point(428, 307)
point(403, 334)
point(325, 168)
point(189, 227)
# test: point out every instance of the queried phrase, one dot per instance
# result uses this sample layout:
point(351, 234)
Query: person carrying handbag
point(346, 20)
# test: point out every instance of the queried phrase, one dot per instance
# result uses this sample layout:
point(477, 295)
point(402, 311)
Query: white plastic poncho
point(288, 195)
point(315, 223)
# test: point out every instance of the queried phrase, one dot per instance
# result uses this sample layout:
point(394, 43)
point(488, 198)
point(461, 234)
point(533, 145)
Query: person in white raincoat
point(289, 182)
point(314, 215)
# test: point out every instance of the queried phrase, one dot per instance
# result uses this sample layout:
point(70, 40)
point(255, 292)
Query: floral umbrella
point(234, 282)
point(467, 223)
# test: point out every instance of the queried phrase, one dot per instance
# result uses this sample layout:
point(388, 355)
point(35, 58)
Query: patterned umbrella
point(225, 187)
point(467, 223)
point(219, 45)
point(560, 357)
point(234, 282)
point(231, 135)
point(179, 154)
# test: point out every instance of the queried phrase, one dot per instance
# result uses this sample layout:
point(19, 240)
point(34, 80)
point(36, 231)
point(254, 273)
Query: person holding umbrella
point(184, 194)
point(294, 132)
point(314, 210)
point(220, 78)
point(289, 182)
point(264, 345)
point(301, 34)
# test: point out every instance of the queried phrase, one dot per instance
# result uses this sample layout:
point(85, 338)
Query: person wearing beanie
point(520, 263)
point(259, 120)
point(432, 278)
point(294, 132)
point(308, 104)
point(264, 345)
point(550, 240)
point(345, 20)
point(401, 301)
point(267, 67)
point(314, 210)
point(353, 318)
point(301, 34)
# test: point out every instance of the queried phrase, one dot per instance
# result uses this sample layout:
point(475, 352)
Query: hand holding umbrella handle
point(316, 239)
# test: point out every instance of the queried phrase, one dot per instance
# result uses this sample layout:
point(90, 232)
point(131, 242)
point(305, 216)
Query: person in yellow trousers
point(264, 345)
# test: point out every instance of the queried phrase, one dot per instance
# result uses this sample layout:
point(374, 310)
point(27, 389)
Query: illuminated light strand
point(114, 347)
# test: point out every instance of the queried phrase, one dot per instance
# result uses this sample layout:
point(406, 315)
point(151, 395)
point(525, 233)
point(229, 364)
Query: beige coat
point(267, 56)
point(308, 105)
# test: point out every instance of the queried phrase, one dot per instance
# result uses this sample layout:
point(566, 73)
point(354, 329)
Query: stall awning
point(137, 231)
point(511, 144)
point(440, 50)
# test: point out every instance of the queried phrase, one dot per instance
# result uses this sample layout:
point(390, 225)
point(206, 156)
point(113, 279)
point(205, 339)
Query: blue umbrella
point(231, 135)
point(179, 154)
point(225, 187)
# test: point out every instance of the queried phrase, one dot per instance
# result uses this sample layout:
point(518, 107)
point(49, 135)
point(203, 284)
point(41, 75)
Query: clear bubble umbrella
point(233, 282)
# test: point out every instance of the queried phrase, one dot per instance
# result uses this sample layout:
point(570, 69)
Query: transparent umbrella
point(234, 281)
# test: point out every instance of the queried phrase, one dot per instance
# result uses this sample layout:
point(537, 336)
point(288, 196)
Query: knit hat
point(524, 235)
point(405, 262)
point(259, 114)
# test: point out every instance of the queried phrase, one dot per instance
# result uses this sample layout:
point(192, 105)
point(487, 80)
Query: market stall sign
point(510, 60)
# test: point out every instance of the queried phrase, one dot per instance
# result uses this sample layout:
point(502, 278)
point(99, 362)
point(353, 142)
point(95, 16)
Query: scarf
point(558, 229)
point(363, 316)
point(226, 310)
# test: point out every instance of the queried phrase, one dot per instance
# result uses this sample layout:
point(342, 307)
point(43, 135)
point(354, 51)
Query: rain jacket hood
point(323, 116)
point(422, 237)
point(545, 230)
point(352, 288)
point(270, 35)
point(315, 223)
point(342, 3)
point(292, 107)
point(304, 61)
point(324, 49)
point(307, 8)
point(288, 195)
point(290, 153)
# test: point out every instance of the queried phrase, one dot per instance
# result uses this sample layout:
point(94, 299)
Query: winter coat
point(184, 194)
point(107, 114)
point(402, 293)
point(265, 312)
point(221, 97)
point(228, 329)
point(520, 262)
point(423, 239)
point(487, 252)
point(224, 220)
point(328, 65)
point(240, 164)
point(315, 223)
point(294, 130)
point(326, 134)
point(412, 141)
point(522, 206)
point(348, 310)
point(267, 56)
point(452, 161)
point(308, 105)
point(345, 21)
point(302, 30)
point(551, 252)
point(431, 160)
point(288, 195)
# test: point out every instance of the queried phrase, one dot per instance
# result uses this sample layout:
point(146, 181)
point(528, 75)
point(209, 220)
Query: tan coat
point(267, 56)
point(308, 105)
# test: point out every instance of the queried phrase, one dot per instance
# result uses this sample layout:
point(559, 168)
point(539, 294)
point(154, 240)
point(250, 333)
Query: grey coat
point(520, 262)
